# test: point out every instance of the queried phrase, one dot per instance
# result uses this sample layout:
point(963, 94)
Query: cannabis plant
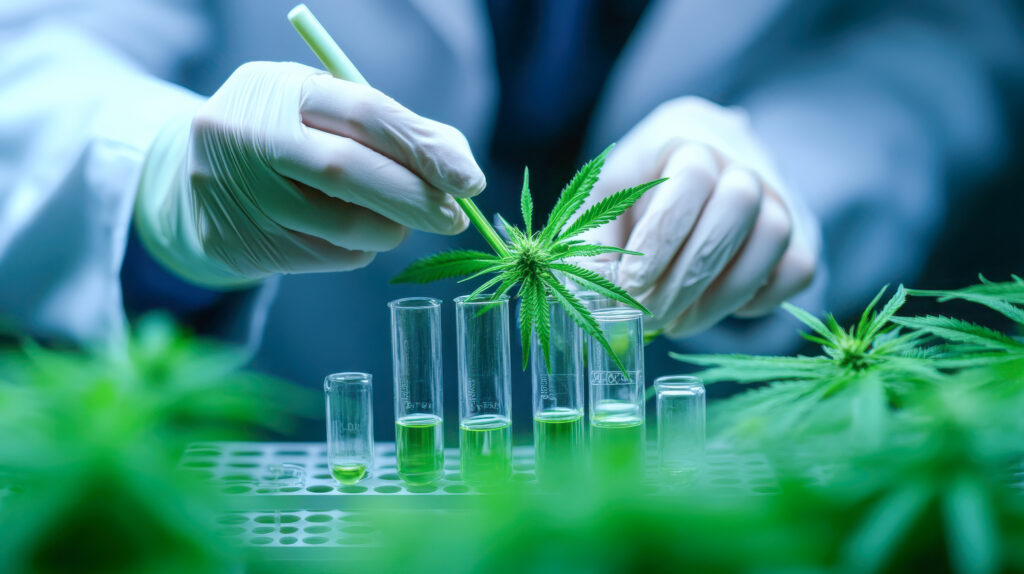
point(970, 344)
point(89, 444)
point(863, 372)
point(537, 260)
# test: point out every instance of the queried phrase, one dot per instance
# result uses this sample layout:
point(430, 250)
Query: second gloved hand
point(288, 170)
point(723, 236)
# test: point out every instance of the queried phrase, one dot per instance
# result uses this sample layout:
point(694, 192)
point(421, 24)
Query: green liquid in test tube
point(417, 371)
point(558, 437)
point(617, 443)
point(349, 403)
point(485, 374)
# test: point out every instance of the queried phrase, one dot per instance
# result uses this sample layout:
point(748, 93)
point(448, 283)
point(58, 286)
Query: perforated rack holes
point(278, 477)
point(274, 530)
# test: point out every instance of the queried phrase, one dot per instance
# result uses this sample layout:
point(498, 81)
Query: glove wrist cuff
point(163, 207)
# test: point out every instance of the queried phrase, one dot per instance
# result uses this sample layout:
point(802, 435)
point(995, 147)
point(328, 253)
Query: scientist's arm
point(283, 169)
point(79, 106)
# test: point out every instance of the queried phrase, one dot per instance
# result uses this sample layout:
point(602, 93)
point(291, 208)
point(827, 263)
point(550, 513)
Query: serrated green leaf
point(808, 319)
point(515, 234)
point(608, 209)
point(589, 251)
point(496, 268)
point(526, 202)
point(445, 265)
point(960, 331)
point(757, 368)
point(485, 286)
point(542, 316)
point(879, 321)
point(594, 281)
point(573, 196)
point(526, 319)
point(581, 316)
point(866, 315)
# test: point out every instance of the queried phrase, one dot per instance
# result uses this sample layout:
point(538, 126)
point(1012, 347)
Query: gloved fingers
point(436, 152)
point(343, 168)
point(308, 254)
point(724, 224)
point(748, 272)
point(669, 216)
point(794, 273)
point(301, 208)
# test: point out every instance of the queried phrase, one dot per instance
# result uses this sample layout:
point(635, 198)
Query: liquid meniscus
point(485, 443)
point(348, 473)
point(420, 448)
point(558, 445)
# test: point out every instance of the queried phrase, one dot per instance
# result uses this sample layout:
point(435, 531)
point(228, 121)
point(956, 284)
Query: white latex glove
point(722, 236)
point(288, 170)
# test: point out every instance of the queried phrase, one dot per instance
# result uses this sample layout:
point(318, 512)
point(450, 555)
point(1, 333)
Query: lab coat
point(875, 122)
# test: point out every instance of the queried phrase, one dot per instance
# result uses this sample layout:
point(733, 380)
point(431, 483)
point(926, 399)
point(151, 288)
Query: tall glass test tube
point(349, 398)
point(558, 400)
point(417, 370)
point(681, 425)
point(617, 398)
point(485, 427)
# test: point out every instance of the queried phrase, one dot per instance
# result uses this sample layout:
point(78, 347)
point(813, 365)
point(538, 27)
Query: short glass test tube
point(617, 397)
point(558, 400)
point(416, 366)
point(485, 427)
point(681, 425)
point(349, 425)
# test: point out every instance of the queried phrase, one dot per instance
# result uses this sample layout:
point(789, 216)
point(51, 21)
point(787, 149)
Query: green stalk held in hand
point(530, 259)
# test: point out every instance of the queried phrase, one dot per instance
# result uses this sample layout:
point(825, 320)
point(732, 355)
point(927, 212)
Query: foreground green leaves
point(863, 371)
point(538, 262)
point(89, 446)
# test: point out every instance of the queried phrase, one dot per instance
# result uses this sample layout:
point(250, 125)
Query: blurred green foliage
point(897, 449)
point(89, 442)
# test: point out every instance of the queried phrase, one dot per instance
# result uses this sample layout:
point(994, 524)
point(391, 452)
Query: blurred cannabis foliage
point(898, 448)
point(89, 443)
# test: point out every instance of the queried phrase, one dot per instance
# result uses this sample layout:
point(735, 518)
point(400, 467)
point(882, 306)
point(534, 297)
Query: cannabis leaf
point(538, 261)
point(970, 344)
point(864, 369)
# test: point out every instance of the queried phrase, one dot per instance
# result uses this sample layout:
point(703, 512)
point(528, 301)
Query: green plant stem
point(337, 63)
point(483, 226)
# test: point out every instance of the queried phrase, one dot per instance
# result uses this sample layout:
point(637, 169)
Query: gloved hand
point(288, 170)
point(722, 236)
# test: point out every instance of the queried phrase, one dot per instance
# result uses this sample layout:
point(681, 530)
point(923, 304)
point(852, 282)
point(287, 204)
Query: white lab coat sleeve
point(78, 108)
point(76, 118)
point(879, 133)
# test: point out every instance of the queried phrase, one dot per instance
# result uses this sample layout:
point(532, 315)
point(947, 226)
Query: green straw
point(338, 64)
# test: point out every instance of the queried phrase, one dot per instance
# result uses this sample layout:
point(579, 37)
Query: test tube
point(485, 428)
point(558, 400)
point(416, 366)
point(681, 423)
point(617, 397)
point(349, 425)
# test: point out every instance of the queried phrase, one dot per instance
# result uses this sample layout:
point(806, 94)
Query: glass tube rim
point(347, 378)
point(482, 299)
point(404, 303)
point(616, 314)
point(678, 382)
